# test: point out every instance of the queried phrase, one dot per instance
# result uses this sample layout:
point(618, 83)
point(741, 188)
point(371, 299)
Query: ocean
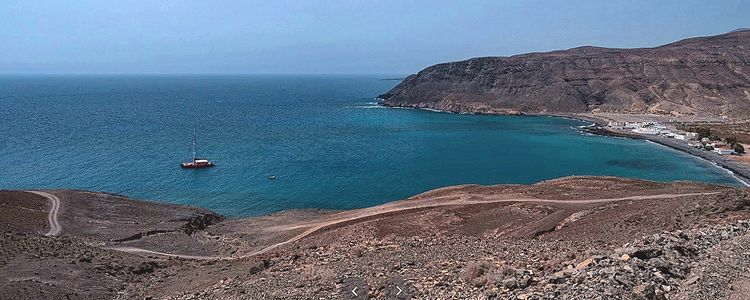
point(323, 137)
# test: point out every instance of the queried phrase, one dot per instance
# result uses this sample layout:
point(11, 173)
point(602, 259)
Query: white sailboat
point(196, 163)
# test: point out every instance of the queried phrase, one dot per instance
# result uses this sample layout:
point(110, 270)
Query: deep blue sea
point(322, 137)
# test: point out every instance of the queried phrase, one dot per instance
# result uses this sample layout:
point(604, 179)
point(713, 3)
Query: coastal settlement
point(721, 142)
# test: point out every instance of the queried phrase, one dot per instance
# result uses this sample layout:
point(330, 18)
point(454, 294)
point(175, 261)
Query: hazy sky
point(376, 36)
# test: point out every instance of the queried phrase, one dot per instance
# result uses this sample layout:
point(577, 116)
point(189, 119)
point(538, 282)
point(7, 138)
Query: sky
point(329, 37)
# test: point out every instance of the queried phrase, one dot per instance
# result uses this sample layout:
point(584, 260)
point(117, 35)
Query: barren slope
point(702, 76)
point(564, 238)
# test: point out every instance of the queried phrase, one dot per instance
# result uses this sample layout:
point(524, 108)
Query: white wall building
point(647, 130)
point(724, 151)
point(614, 125)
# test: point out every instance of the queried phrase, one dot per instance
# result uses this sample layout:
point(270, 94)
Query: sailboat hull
point(196, 165)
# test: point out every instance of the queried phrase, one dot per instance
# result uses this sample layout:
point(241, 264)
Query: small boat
point(272, 177)
point(197, 163)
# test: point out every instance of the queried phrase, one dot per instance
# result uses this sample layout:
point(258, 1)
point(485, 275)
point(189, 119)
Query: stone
point(510, 283)
point(585, 263)
point(643, 291)
point(691, 280)
point(609, 291)
point(646, 254)
point(524, 282)
point(659, 276)
point(660, 263)
point(623, 279)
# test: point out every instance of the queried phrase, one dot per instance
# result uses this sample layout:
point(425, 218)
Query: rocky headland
point(703, 76)
point(568, 238)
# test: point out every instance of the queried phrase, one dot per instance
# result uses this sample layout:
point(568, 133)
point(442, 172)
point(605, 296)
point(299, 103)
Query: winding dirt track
point(399, 206)
point(135, 250)
point(54, 225)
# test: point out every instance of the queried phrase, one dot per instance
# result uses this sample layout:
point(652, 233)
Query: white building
point(614, 125)
point(724, 151)
point(633, 125)
point(647, 130)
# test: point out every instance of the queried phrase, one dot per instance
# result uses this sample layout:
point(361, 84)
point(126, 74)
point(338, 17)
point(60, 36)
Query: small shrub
point(480, 273)
point(552, 264)
point(739, 148)
point(143, 268)
point(507, 271)
point(358, 251)
point(474, 271)
point(317, 273)
point(703, 132)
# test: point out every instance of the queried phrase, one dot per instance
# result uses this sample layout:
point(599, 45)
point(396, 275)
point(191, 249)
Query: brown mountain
point(700, 76)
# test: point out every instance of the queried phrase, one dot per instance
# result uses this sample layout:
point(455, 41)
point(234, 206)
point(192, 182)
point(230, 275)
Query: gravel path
point(399, 206)
point(54, 225)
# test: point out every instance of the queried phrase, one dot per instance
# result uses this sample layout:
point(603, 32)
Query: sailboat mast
point(196, 163)
point(193, 144)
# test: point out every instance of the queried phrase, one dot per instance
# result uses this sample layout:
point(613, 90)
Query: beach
point(739, 166)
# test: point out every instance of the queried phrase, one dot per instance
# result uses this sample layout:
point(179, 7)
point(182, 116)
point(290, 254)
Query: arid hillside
point(696, 76)
point(569, 238)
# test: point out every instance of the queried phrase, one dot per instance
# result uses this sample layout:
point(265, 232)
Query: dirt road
point(54, 225)
point(399, 206)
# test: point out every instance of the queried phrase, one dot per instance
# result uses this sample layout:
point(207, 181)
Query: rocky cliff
point(696, 76)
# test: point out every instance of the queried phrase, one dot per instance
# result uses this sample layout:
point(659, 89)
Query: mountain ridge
point(694, 76)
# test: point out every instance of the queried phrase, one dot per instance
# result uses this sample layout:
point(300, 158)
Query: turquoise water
point(321, 136)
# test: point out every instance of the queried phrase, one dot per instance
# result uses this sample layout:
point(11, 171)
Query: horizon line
point(192, 74)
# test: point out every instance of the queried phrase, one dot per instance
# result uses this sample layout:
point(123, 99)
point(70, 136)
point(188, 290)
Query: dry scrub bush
point(357, 251)
point(317, 273)
point(551, 264)
point(473, 271)
point(507, 271)
point(480, 273)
